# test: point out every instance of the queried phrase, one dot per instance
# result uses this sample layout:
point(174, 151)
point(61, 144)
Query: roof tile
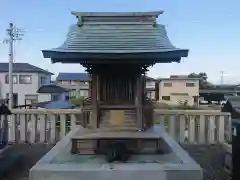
point(23, 67)
point(73, 76)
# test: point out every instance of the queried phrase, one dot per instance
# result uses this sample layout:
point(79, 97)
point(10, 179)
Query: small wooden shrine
point(116, 49)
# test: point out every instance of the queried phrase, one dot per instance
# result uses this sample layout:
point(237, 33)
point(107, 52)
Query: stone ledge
point(51, 169)
point(228, 157)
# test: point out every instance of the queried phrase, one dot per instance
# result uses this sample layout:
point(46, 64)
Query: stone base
point(228, 157)
point(59, 164)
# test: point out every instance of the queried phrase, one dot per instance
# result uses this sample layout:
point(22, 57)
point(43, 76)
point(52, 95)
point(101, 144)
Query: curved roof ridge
point(114, 14)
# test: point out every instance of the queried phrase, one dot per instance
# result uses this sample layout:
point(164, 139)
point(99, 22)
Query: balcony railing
point(48, 126)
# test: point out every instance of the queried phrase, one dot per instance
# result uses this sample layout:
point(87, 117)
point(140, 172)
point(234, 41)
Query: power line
point(14, 34)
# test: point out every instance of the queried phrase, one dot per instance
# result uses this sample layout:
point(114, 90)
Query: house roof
point(57, 105)
point(150, 78)
point(232, 105)
point(52, 88)
point(72, 76)
point(23, 67)
point(234, 100)
point(183, 79)
point(118, 36)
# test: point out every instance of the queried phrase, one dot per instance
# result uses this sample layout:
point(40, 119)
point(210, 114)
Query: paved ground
point(209, 157)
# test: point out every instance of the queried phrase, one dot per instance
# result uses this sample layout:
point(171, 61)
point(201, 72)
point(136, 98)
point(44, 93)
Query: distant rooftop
point(73, 77)
point(149, 78)
point(23, 67)
point(177, 78)
point(52, 88)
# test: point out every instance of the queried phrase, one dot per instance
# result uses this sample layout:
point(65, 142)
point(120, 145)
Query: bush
point(182, 106)
point(77, 101)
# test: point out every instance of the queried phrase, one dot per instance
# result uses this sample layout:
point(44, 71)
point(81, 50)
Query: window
point(55, 97)
point(67, 98)
point(72, 93)
point(83, 93)
point(150, 84)
point(166, 98)
point(31, 98)
point(72, 82)
point(43, 80)
point(14, 77)
point(25, 79)
point(190, 84)
point(167, 84)
point(149, 94)
point(82, 83)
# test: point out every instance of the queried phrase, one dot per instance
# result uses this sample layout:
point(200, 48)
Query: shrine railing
point(48, 126)
point(196, 126)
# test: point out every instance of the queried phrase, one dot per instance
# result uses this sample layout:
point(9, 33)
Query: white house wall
point(24, 89)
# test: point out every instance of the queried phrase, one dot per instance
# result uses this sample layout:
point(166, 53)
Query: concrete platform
point(59, 164)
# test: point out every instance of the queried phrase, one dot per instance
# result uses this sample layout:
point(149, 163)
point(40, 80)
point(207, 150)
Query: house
point(56, 93)
point(59, 97)
point(177, 90)
point(151, 88)
point(78, 83)
point(26, 81)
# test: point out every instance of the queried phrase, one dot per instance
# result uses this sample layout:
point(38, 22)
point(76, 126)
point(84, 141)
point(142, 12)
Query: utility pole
point(13, 35)
point(222, 74)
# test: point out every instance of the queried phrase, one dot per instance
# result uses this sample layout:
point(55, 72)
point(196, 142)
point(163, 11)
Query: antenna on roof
point(14, 34)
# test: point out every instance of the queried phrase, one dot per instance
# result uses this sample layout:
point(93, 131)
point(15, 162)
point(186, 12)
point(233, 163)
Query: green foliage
point(203, 83)
point(183, 103)
point(77, 101)
point(181, 106)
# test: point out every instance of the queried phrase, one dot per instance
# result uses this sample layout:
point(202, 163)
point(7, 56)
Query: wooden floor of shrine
point(209, 157)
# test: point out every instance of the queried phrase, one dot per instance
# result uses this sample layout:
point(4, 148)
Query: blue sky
point(210, 29)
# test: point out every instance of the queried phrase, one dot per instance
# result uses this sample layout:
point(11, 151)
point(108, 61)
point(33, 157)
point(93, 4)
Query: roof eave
point(80, 57)
point(19, 71)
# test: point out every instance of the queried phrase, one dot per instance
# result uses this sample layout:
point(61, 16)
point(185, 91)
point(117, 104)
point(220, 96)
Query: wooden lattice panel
point(118, 119)
point(86, 146)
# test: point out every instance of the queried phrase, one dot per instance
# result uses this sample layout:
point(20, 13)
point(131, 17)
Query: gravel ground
point(211, 160)
point(209, 157)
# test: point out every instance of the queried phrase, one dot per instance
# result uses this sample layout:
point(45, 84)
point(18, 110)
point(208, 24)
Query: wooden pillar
point(94, 116)
point(138, 102)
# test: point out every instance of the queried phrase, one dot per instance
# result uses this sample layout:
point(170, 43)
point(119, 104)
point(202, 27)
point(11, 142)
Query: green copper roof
point(115, 33)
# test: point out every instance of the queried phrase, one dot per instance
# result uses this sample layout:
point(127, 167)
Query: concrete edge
point(49, 156)
point(180, 152)
point(44, 163)
point(227, 147)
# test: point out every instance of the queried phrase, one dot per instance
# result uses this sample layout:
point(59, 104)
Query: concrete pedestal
point(228, 157)
point(59, 164)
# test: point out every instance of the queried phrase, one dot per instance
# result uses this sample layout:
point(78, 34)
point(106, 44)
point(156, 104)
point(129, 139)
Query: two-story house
point(78, 83)
point(176, 90)
point(151, 88)
point(26, 81)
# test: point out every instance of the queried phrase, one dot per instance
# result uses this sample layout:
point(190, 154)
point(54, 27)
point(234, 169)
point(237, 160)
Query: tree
point(203, 83)
point(77, 101)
